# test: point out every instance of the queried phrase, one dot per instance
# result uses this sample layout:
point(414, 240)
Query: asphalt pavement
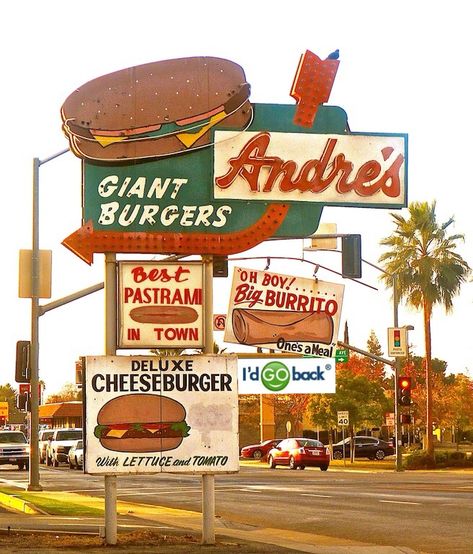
point(24, 516)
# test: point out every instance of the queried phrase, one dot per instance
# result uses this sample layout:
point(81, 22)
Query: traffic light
point(23, 401)
point(22, 367)
point(351, 256)
point(404, 385)
point(220, 266)
point(80, 368)
point(397, 338)
point(406, 419)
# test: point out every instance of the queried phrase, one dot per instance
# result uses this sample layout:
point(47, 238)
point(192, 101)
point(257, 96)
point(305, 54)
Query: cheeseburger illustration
point(141, 423)
point(156, 109)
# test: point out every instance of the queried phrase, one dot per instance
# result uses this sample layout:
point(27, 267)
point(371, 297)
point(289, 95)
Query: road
point(427, 511)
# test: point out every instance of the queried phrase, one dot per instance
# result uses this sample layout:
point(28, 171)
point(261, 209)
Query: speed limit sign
point(343, 418)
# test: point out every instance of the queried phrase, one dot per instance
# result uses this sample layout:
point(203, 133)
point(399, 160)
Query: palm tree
point(428, 271)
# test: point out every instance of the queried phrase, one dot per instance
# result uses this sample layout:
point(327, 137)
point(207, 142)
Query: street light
point(34, 484)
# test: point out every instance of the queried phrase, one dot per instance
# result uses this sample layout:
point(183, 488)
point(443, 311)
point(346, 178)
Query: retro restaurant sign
point(177, 160)
point(160, 304)
point(151, 414)
point(291, 314)
point(329, 168)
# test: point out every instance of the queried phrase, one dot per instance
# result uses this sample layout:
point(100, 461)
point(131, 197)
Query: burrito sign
point(291, 314)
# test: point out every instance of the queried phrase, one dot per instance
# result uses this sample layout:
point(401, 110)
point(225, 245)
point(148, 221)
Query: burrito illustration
point(268, 326)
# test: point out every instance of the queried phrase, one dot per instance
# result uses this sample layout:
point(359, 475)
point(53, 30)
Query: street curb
point(17, 504)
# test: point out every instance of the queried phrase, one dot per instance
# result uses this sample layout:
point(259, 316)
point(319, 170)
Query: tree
point(460, 404)
point(376, 368)
point(428, 272)
point(291, 407)
point(68, 393)
point(8, 394)
point(364, 400)
point(370, 368)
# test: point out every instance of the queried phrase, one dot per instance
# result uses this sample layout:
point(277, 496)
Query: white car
point(76, 455)
point(43, 438)
point(59, 445)
point(14, 449)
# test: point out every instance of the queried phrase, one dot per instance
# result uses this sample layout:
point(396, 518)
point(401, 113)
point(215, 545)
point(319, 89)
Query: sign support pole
point(208, 480)
point(110, 484)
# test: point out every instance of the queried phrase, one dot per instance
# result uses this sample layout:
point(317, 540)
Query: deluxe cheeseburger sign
point(176, 159)
point(151, 414)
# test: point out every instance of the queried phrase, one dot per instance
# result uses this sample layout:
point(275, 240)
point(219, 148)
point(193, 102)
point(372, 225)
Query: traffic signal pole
point(397, 369)
point(34, 484)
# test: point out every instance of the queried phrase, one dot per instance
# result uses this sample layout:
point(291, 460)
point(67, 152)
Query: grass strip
point(54, 506)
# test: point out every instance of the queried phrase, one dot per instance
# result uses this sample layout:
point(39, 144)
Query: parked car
point(299, 453)
point(59, 444)
point(14, 449)
point(76, 455)
point(365, 447)
point(258, 451)
point(43, 440)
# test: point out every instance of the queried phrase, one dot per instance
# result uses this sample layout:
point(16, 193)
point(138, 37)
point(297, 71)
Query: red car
point(258, 451)
point(299, 453)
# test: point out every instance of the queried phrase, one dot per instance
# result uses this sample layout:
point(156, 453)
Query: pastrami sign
point(334, 169)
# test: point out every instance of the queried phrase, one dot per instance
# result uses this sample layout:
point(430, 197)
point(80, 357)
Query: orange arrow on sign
point(87, 240)
point(312, 86)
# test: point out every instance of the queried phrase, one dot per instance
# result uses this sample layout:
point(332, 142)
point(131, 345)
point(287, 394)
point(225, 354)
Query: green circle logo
point(275, 376)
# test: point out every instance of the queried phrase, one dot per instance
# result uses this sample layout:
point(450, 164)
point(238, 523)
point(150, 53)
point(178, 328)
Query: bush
point(419, 459)
point(457, 456)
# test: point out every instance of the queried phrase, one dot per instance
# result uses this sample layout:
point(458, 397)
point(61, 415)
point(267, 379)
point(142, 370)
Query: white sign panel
point(343, 418)
point(161, 414)
point(286, 375)
point(283, 312)
point(160, 305)
point(397, 341)
point(334, 169)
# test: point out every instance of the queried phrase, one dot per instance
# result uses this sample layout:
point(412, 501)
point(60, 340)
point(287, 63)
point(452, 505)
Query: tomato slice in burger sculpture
point(141, 423)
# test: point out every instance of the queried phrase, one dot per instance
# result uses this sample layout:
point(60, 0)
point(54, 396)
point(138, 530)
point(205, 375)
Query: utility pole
point(34, 483)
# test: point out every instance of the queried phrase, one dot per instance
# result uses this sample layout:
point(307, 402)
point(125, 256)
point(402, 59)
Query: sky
point(404, 68)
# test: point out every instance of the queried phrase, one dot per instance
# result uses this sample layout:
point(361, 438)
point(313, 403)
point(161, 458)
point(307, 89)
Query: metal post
point(208, 509)
point(208, 480)
point(110, 484)
point(34, 484)
point(397, 367)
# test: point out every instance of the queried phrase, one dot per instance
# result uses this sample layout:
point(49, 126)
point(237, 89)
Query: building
point(61, 414)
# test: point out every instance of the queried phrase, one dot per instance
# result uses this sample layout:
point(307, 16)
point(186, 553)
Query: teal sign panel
point(175, 194)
